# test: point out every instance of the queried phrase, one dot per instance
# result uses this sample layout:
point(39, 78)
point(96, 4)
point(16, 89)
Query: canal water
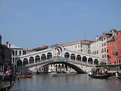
point(73, 82)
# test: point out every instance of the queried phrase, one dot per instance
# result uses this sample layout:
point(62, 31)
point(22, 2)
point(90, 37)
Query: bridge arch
point(58, 49)
point(78, 58)
point(84, 59)
point(49, 55)
point(90, 61)
point(31, 60)
point(73, 56)
point(37, 58)
point(19, 63)
point(67, 55)
point(43, 57)
point(96, 62)
point(25, 61)
point(76, 68)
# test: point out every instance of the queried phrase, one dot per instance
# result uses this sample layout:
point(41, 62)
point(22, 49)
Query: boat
point(24, 76)
point(118, 75)
point(101, 76)
point(27, 75)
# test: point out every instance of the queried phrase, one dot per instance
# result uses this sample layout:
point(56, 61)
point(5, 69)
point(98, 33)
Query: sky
point(32, 23)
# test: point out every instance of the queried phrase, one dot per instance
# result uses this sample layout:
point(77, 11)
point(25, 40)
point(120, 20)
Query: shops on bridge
point(56, 51)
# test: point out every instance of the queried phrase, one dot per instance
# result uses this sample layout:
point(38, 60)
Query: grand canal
point(74, 82)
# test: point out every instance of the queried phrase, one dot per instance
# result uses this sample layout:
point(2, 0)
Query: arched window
point(78, 58)
point(19, 63)
point(90, 61)
point(66, 55)
point(37, 58)
point(19, 52)
point(49, 55)
point(73, 56)
point(43, 57)
point(25, 61)
point(84, 59)
point(96, 62)
point(31, 60)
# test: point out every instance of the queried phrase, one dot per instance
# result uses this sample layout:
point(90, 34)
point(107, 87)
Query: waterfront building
point(104, 38)
point(99, 47)
point(108, 47)
point(82, 46)
point(16, 51)
point(96, 47)
point(114, 47)
point(5, 55)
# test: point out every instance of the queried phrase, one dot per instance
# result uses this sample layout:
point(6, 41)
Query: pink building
point(114, 48)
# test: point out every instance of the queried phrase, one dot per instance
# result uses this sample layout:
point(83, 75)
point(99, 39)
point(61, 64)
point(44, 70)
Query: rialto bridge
point(59, 57)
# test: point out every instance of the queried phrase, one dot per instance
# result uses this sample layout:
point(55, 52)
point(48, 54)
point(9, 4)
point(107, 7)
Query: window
point(102, 44)
point(89, 51)
point(102, 50)
point(16, 52)
point(97, 51)
point(102, 56)
point(13, 52)
point(19, 52)
point(88, 46)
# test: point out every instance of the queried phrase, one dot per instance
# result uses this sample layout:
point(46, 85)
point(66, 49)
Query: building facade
point(114, 47)
point(108, 47)
point(96, 47)
point(5, 55)
point(82, 46)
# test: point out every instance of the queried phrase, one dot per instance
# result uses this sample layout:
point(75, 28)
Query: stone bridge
point(81, 62)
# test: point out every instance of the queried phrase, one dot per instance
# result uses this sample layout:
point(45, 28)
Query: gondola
point(101, 76)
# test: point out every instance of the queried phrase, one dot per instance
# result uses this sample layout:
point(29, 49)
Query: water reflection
point(77, 82)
